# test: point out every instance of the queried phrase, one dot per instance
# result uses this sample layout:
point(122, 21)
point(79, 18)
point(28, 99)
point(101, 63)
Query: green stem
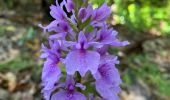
point(72, 25)
point(78, 79)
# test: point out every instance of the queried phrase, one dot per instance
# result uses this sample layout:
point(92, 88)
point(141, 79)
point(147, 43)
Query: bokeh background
point(145, 63)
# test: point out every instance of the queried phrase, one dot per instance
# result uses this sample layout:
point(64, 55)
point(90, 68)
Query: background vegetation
point(145, 63)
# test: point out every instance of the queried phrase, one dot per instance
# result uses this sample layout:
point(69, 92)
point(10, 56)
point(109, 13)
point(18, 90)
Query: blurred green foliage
point(136, 15)
point(140, 15)
point(2, 30)
point(143, 68)
point(98, 3)
point(7, 3)
point(17, 64)
point(30, 35)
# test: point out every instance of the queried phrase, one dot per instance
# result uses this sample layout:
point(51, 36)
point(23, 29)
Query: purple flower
point(106, 91)
point(51, 72)
point(60, 27)
point(51, 27)
point(47, 93)
point(69, 5)
point(69, 93)
point(53, 52)
point(81, 59)
point(57, 12)
point(108, 37)
point(101, 14)
point(107, 78)
point(80, 41)
point(84, 13)
point(103, 50)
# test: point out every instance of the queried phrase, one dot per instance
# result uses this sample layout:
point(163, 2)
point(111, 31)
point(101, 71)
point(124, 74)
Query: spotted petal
point(106, 91)
point(82, 61)
point(64, 95)
point(50, 74)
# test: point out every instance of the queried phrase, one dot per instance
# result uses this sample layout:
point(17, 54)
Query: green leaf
point(89, 28)
point(86, 23)
point(78, 4)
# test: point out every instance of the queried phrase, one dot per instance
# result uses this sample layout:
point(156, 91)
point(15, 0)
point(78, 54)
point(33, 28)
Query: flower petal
point(102, 13)
point(84, 13)
point(44, 55)
point(107, 92)
point(82, 37)
point(57, 13)
point(47, 93)
point(64, 95)
point(108, 73)
point(82, 61)
point(70, 5)
point(82, 41)
point(50, 74)
point(61, 94)
point(118, 43)
point(56, 36)
point(78, 96)
point(51, 27)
